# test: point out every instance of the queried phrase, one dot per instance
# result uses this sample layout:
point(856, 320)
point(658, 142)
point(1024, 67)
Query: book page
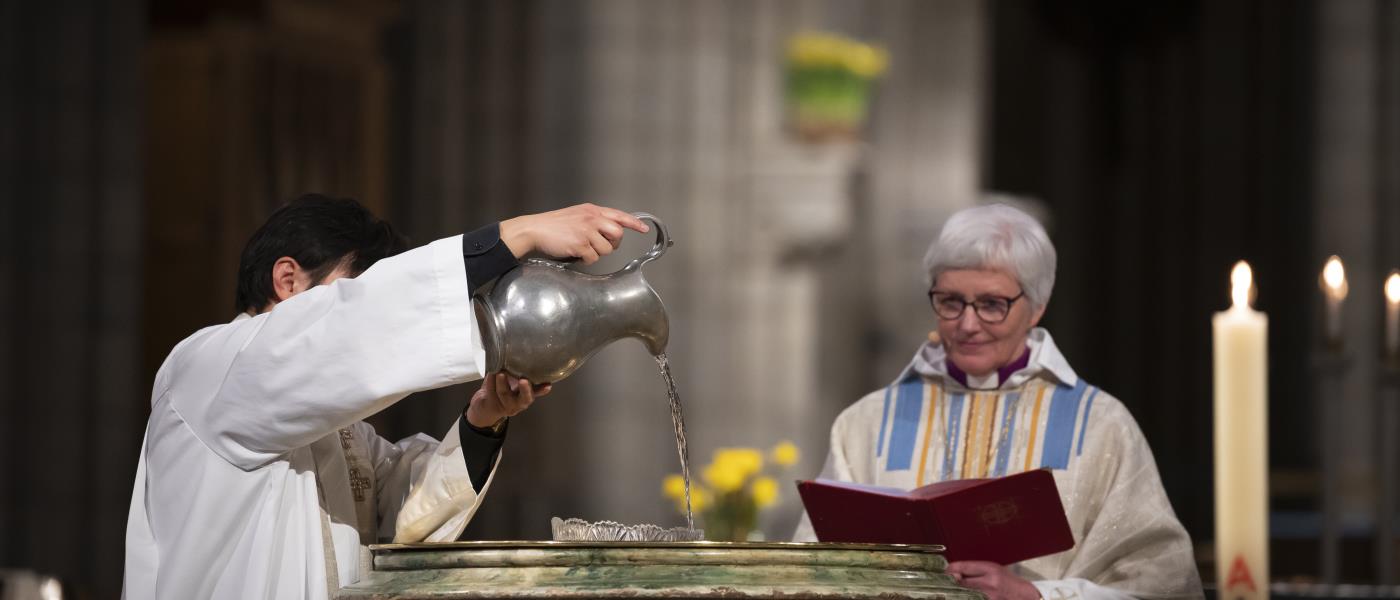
point(934, 490)
point(874, 489)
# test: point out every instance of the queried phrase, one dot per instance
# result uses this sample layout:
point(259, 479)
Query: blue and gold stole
point(960, 434)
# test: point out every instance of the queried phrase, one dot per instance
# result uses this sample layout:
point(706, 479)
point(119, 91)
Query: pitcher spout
point(655, 333)
point(640, 313)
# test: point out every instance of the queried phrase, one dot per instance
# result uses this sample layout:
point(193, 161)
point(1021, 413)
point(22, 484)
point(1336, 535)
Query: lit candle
point(1334, 286)
point(1241, 444)
point(1392, 316)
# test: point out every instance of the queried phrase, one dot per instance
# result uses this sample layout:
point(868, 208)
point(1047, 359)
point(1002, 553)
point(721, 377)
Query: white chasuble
point(256, 460)
point(926, 427)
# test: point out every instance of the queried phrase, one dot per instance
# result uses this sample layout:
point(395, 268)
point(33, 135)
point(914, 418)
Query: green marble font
point(483, 570)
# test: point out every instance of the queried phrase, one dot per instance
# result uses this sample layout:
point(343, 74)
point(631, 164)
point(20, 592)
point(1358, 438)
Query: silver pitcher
point(542, 320)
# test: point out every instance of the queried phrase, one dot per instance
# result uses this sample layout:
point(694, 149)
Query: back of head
point(997, 237)
point(318, 232)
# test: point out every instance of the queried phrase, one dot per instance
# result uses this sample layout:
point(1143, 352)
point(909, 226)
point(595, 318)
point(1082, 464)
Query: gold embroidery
point(1035, 425)
point(998, 513)
point(934, 394)
point(359, 484)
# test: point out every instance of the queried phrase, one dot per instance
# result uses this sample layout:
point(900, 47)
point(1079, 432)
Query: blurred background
point(142, 143)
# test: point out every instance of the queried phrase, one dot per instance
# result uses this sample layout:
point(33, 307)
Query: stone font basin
point(481, 570)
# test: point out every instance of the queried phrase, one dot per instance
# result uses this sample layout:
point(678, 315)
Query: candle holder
point(1389, 427)
point(1329, 369)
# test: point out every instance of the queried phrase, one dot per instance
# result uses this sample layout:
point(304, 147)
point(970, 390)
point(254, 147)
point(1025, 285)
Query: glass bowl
point(579, 530)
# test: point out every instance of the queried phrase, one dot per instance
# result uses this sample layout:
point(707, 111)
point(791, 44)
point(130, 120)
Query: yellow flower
point(866, 61)
point(785, 454)
point(815, 49)
point(745, 460)
point(807, 50)
point(674, 487)
point(724, 476)
point(700, 499)
point(765, 491)
point(802, 49)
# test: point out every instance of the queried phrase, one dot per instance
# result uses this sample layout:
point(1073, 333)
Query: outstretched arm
point(334, 354)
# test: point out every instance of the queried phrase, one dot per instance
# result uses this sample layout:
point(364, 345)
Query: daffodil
point(674, 487)
point(812, 51)
point(765, 491)
point(746, 460)
point(804, 49)
point(866, 61)
point(724, 476)
point(700, 499)
point(730, 492)
point(785, 454)
point(816, 49)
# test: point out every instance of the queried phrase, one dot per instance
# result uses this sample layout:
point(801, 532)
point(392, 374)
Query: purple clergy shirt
point(1002, 373)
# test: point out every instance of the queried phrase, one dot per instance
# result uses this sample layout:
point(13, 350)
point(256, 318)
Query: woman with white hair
point(994, 396)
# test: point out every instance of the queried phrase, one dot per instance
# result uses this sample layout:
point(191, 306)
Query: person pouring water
point(993, 396)
point(257, 477)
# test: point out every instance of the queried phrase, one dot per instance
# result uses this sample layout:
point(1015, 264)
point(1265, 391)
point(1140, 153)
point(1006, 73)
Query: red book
point(1003, 519)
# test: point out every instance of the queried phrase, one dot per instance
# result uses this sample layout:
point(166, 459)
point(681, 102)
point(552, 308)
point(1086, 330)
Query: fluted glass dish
point(579, 530)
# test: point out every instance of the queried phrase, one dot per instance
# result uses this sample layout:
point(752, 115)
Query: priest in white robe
point(257, 477)
point(990, 395)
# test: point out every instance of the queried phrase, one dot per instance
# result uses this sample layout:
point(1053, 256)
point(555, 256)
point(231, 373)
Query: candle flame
point(1392, 287)
point(1334, 278)
point(1241, 284)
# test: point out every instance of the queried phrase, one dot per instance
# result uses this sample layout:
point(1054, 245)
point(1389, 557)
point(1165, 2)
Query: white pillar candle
point(1241, 444)
point(1392, 316)
point(1334, 287)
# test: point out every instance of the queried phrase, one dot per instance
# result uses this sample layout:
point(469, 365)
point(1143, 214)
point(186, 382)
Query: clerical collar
point(931, 361)
point(991, 382)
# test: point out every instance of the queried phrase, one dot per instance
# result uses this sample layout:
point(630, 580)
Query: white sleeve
point(1133, 542)
point(836, 467)
point(424, 490)
point(330, 356)
point(1080, 589)
point(142, 553)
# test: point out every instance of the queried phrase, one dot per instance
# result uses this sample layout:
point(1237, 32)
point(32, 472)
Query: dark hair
point(318, 232)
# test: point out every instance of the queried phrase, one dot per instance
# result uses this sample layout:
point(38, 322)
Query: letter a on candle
point(1239, 575)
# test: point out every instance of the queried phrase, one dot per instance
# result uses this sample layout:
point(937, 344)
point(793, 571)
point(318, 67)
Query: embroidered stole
point(360, 475)
point(362, 486)
point(941, 434)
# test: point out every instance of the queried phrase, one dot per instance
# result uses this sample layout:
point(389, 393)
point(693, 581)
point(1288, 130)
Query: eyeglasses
point(990, 309)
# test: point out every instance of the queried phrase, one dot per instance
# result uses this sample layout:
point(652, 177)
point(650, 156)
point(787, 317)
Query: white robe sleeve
point(332, 355)
point(424, 491)
point(1077, 589)
point(142, 553)
point(837, 467)
point(1132, 542)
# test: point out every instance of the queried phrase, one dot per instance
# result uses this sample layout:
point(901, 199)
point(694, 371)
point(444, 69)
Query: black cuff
point(479, 449)
point(486, 256)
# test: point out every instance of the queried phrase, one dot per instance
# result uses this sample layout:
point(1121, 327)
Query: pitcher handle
point(663, 241)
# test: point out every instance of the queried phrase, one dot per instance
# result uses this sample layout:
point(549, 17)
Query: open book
point(1004, 519)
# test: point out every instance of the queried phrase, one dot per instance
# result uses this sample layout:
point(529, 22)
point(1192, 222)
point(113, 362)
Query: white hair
point(997, 237)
